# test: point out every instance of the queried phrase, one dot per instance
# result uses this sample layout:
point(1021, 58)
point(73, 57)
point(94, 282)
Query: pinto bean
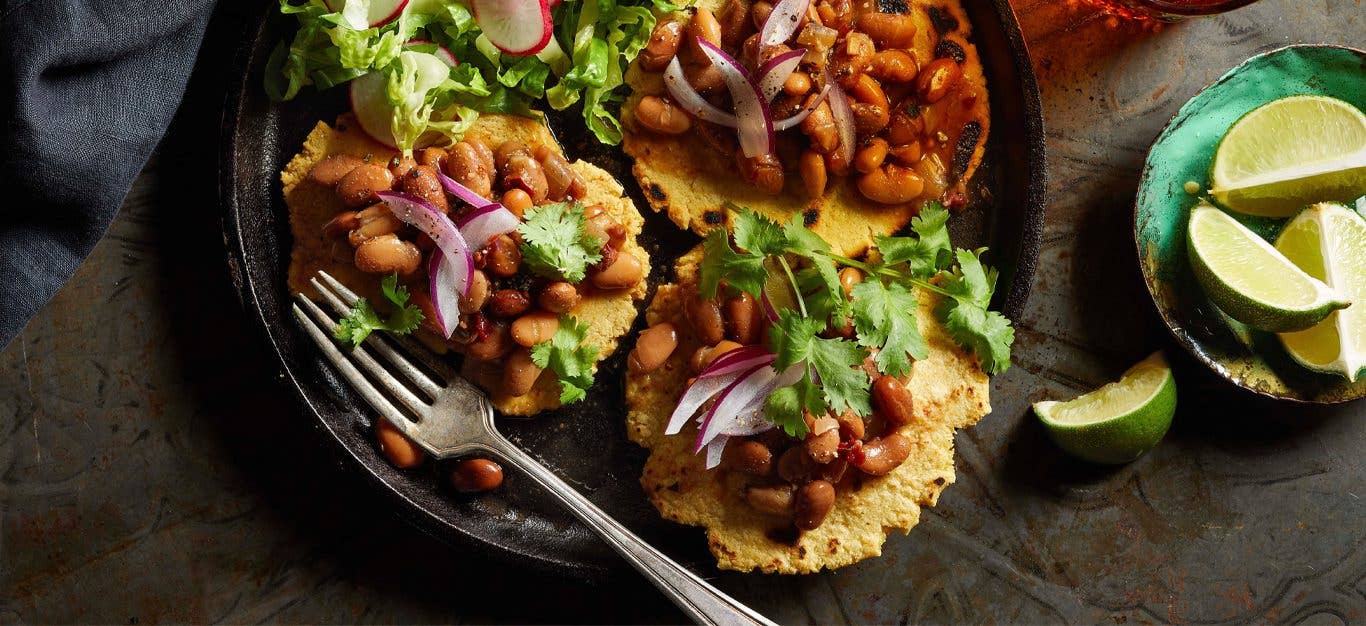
point(884, 454)
point(654, 346)
point(517, 201)
point(466, 164)
point(706, 320)
point(600, 224)
point(662, 47)
point(890, 30)
point(704, 26)
point(558, 297)
point(939, 77)
point(813, 503)
point(906, 154)
point(837, 163)
point(893, 401)
point(422, 182)
point(797, 84)
point(895, 66)
point(359, 186)
point(387, 254)
point(623, 273)
point(535, 327)
point(475, 475)
point(872, 113)
point(371, 222)
point(519, 371)
point(478, 293)
point(400, 166)
point(852, 427)
point(891, 184)
point(742, 319)
point(705, 355)
point(329, 171)
point(508, 303)
point(502, 258)
point(661, 116)
point(748, 456)
point(764, 172)
point(871, 155)
point(819, 126)
point(559, 176)
point(434, 158)
point(341, 224)
point(759, 12)
point(496, 343)
point(823, 440)
point(523, 171)
point(796, 466)
point(772, 500)
point(735, 22)
point(704, 77)
point(811, 165)
point(849, 277)
point(396, 447)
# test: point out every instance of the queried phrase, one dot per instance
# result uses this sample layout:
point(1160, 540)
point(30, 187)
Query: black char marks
point(713, 217)
point(967, 144)
point(657, 193)
point(811, 216)
point(893, 6)
point(948, 49)
point(943, 22)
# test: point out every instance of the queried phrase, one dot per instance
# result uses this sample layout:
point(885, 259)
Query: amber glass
point(1170, 10)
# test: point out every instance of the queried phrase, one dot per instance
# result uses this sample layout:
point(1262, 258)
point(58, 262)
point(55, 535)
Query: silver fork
point(456, 418)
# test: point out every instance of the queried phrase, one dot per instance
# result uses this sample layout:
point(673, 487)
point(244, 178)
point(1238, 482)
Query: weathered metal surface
point(152, 470)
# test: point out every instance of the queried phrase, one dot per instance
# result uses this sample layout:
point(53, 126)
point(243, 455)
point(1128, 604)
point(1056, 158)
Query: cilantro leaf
point(971, 281)
point(569, 357)
point(987, 333)
point(362, 319)
point(787, 406)
point(926, 253)
point(885, 318)
point(757, 234)
point(555, 244)
point(742, 270)
point(837, 362)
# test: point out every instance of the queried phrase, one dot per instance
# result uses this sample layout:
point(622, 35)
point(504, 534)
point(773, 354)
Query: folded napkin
point(89, 90)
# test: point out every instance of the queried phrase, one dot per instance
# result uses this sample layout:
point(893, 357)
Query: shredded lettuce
point(583, 65)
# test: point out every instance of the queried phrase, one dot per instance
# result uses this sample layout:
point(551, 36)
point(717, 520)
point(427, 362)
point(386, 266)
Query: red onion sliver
point(844, 118)
point(789, 122)
point(458, 190)
point(751, 420)
point(692, 102)
point(439, 280)
point(783, 21)
point(738, 360)
point(697, 395)
point(453, 277)
point(485, 223)
point(755, 126)
point(775, 72)
point(714, 450)
point(730, 400)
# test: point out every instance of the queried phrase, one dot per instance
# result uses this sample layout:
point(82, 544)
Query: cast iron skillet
point(586, 442)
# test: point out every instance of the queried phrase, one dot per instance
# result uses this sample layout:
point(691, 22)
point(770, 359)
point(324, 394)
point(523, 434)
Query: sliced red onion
point(844, 118)
point(739, 359)
point(783, 21)
point(440, 279)
point(458, 190)
point(755, 126)
point(697, 395)
point(691, 101)
point(452, 279)
point(775, 72)
point(789, 122)
point(739, 410)
point(486, 222)
point(706, 431)
point(751, 420)
point(714, 450)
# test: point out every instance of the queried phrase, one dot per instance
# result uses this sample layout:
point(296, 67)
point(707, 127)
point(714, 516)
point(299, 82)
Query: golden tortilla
point(684, 178)
point(608, 314)
point(951, 392)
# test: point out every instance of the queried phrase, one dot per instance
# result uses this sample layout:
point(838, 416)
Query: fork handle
point(702, 602)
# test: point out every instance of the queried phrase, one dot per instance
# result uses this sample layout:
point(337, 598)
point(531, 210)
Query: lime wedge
point(1289, 153)
point(1328, 241)
point(1118, 422)
point(1249, 280)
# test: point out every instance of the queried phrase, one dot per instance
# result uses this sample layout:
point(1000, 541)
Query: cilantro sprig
point(363, 319)
point(555, 244)
point(569, 357)
point(882, 308)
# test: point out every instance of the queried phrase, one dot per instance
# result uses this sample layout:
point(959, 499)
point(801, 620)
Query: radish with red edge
point(442, 52)
point(370, 100)
point(518, 27)
point(360, 14)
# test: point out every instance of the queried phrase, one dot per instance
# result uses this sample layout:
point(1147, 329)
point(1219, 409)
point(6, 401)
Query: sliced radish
point(363, 14)
point(756, 129)
point(518, 27)
point(370, 99)
point(454, 265)
point(442, 52)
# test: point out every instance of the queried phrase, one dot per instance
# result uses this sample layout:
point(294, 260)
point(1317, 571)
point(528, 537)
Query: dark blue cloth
point(90, 86)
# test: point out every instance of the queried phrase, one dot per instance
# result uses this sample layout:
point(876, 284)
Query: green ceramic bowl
point(1250, 359)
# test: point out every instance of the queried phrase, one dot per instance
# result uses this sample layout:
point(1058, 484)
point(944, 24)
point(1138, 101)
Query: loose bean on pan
point(474, 475)
point(397, 448)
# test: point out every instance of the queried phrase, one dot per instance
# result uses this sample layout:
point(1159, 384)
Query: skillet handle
point(702, 602)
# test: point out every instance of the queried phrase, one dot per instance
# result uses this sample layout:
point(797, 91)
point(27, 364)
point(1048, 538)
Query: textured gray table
point(152, 468)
